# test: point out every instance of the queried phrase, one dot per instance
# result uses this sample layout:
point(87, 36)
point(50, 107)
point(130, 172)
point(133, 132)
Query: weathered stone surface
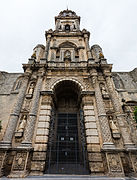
point(45, 107)
point(94, 157)
point(41, 139)
point(43, 125)
point(88, 112)
point(39, 166)
point(45, 112)
point(87, 107)
point(90, 118)
point(96, 167)
point(93, 147)
point(90, 132)
point(44, 132)
point(44, 118)
point(40, 147)
point(90, 125)
point(39, 156)
point(92, 139)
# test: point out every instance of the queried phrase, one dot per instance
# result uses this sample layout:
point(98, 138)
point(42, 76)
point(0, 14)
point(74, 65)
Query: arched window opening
point(67, 27)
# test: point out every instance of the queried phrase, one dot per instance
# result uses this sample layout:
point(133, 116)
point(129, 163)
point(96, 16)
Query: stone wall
point(7, 96)
point(126, 84)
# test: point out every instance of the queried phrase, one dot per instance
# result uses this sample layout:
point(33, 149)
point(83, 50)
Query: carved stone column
point(28, 134)
point(104, 125)
point(7, 139)
point(47, 46)
point(87, 47)
point(120, 116)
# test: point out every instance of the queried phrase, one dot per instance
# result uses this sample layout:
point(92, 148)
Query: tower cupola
point(68, 21)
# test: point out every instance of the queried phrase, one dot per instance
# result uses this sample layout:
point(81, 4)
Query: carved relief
point(114, 163)
point(19, 161)
point(2, 155)
point(134, 161)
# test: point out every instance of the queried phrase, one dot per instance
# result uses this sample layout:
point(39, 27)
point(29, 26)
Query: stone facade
point(105, 99)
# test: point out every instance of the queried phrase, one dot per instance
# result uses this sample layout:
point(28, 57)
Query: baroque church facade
point(68, 113)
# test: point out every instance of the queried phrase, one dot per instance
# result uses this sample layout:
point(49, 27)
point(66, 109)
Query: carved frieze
point(19, 161)
point(134, 161)
point(114, 163)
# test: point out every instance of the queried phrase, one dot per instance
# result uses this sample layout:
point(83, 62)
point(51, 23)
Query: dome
point(67, 13)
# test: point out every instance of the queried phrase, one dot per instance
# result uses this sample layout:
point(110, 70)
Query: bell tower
point(67, 21)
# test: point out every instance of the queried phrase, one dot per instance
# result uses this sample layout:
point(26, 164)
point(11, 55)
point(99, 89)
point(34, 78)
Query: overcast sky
point(112, 24)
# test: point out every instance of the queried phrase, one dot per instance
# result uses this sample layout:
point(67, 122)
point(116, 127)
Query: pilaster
point(7, 139)
point(92, 136)
point(29, 130)
point(87, 46)
point(104, 125)
point(47, 46)
point(119, 113)
point(42, 135)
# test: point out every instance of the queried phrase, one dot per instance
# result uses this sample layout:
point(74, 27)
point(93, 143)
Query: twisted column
point(28, 134)
point(7, 139)
point(119, 113)
point(104, 125)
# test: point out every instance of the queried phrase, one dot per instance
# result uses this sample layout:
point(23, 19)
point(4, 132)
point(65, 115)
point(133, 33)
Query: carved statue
point(22, 124)
point(31, 88)
point(104, 91)
point(113, 126)
point(26, 104)
point(67, 55)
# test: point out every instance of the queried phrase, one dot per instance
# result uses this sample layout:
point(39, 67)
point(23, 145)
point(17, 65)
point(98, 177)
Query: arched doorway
point(67, 146)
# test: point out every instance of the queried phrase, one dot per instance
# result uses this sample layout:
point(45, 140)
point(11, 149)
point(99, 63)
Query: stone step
point(70, 177)
point(69, 169)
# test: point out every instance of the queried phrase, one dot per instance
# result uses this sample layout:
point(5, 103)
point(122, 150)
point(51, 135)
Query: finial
point(67, 4)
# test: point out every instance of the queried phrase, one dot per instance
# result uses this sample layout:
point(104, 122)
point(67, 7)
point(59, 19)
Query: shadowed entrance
point(67, 147)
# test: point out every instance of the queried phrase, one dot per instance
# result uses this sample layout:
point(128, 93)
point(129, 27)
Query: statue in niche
point(67, 55)
point(26, 105)
point(22, 124)
point(31, 88)
point(114, 128)
point(104, 91)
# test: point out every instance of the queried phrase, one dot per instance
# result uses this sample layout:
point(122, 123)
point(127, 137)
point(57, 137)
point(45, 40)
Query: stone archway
point(66, 147)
